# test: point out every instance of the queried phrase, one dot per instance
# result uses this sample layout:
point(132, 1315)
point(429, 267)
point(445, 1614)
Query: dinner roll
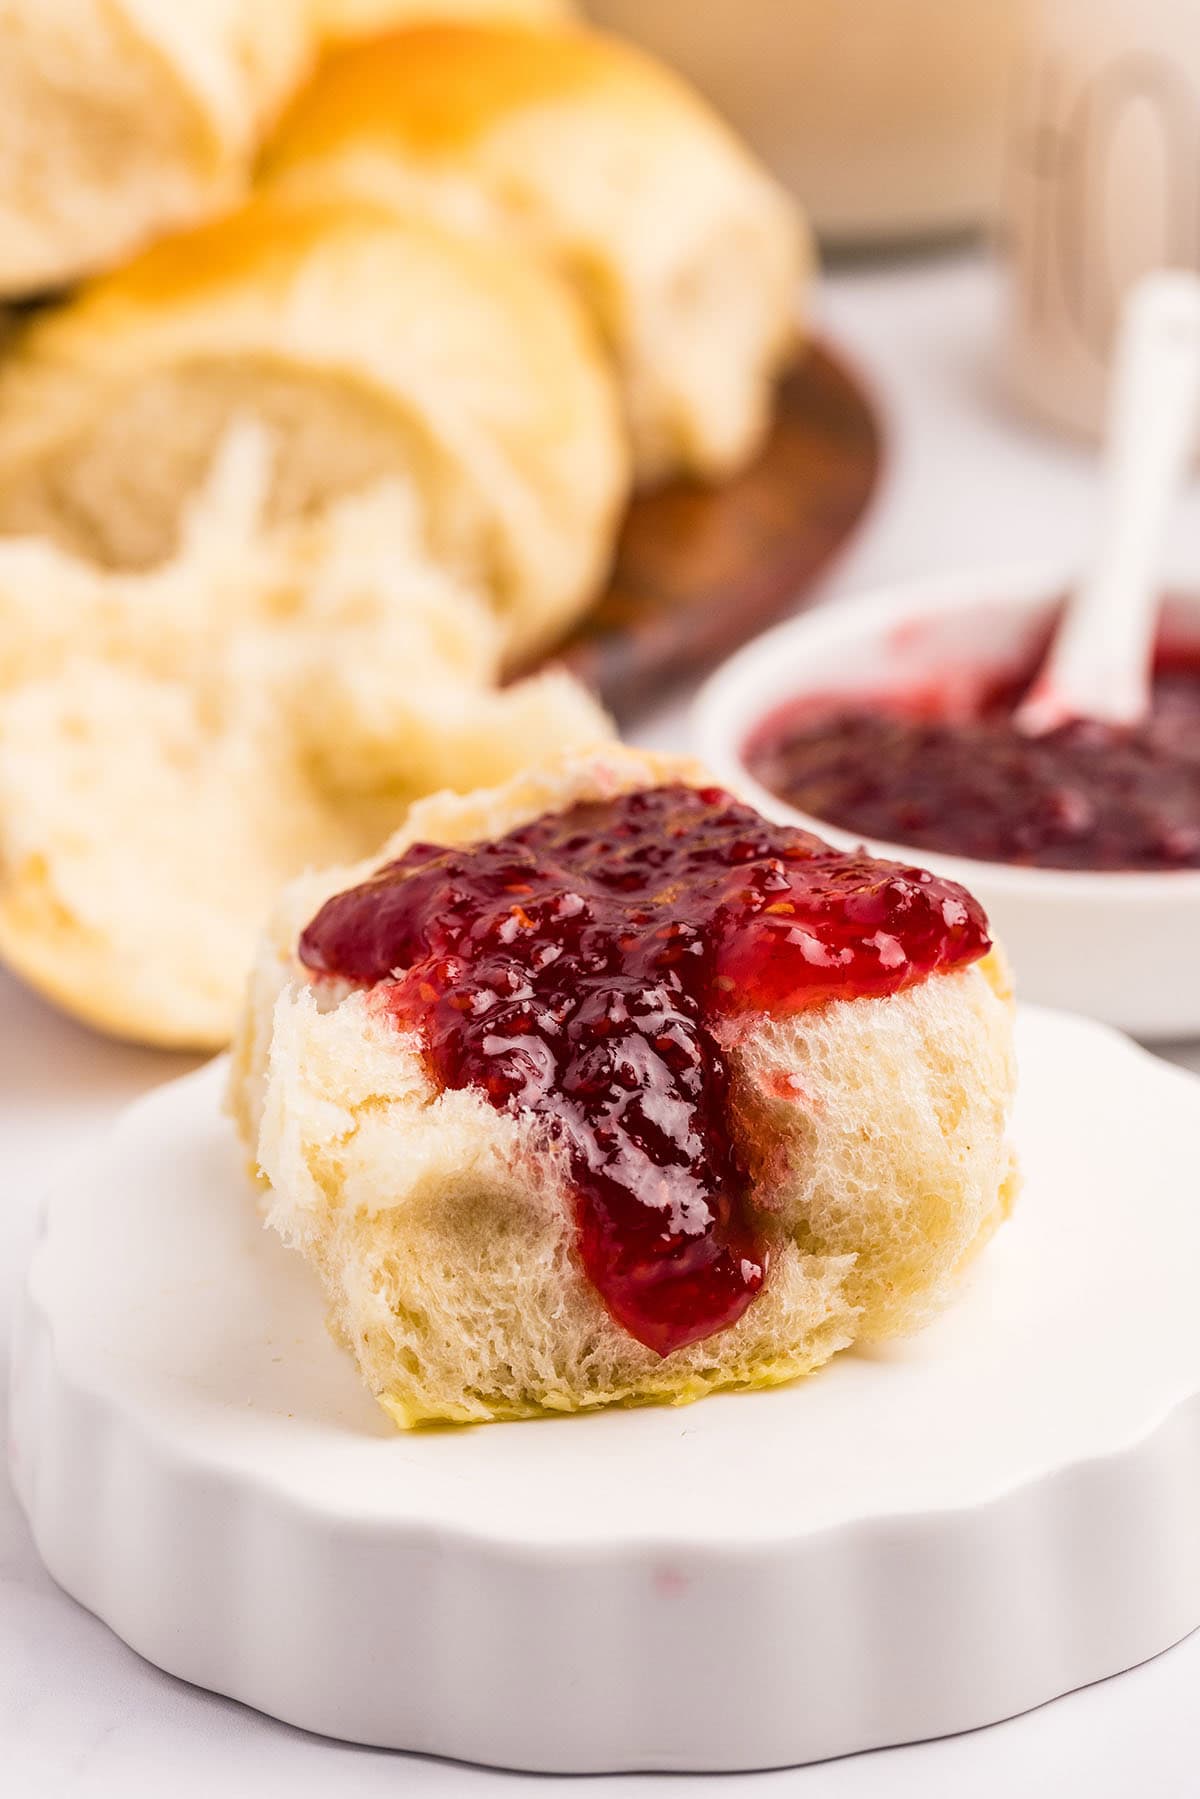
point(373, 347)
point(444, 1228)
point(688, 254)
point(176, 745)
point(127, 118)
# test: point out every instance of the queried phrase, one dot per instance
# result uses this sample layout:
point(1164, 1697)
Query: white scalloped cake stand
point(915, 1541)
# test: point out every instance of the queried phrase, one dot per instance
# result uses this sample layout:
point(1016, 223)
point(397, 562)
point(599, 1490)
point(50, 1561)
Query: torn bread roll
point(468, 1232)
point(573, 144)
point(373, 348)
point(174, 746)
point(124, 119)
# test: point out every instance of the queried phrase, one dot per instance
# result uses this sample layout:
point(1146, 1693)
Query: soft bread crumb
point(176, 745)
point(443, 1230)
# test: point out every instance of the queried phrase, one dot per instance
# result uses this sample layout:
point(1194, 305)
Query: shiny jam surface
point(1085, 796)
point(592, 967)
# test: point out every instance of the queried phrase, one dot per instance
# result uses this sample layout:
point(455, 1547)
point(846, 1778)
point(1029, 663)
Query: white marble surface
point(80, 1715)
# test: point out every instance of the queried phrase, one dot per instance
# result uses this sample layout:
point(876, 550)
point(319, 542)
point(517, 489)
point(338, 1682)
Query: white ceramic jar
point(1103, 184)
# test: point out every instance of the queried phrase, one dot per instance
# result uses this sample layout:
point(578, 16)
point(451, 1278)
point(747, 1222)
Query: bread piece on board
point(123, 119)
point(443, 1230)
point(373, 348)
point(688, 253)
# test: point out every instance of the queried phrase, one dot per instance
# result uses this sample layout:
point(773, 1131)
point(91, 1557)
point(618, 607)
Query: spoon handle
point(1100, 663)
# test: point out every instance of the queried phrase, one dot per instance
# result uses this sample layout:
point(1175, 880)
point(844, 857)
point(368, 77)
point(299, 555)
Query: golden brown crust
point(337, 19)
point(440, 86)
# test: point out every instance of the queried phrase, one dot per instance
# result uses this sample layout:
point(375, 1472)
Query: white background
point(965, 484)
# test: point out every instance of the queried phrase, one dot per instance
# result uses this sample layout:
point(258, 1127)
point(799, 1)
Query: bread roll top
point(580, 147)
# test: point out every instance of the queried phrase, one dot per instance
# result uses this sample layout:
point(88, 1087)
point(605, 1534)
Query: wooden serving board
point(700, 569)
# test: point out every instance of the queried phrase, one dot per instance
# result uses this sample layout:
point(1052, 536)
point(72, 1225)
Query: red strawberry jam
point(911, 769)
point(593, 966)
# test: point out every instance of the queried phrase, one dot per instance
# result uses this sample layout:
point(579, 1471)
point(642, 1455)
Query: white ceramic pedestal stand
point(916, 1541)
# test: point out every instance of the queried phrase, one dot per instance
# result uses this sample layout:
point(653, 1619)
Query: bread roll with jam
point(174, 746)
point(372, 348)
point(597, 1088)
point(127, 118)
point(576, 145)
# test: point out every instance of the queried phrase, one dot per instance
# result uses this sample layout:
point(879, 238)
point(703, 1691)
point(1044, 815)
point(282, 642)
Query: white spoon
point(1100, 663)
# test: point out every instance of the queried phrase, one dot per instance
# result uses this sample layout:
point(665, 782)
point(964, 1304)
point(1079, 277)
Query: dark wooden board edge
point(699, 569)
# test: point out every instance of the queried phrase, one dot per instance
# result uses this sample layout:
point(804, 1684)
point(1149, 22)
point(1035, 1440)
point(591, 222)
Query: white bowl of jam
point(887, 720)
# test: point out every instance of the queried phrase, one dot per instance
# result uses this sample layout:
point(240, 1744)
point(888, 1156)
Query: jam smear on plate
point(591, 967)
point(901, 769)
